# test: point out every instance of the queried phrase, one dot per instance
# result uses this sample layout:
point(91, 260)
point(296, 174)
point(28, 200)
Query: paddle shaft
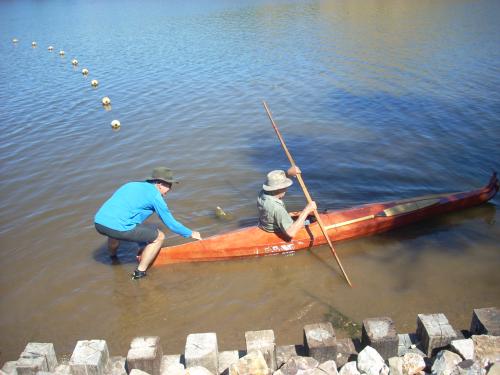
point(306, 192)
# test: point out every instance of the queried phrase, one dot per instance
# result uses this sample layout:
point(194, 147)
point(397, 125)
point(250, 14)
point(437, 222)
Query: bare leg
point(150, 252)
point(113, 246)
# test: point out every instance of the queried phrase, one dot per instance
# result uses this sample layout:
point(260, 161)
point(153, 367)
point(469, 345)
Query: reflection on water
point(377, 100)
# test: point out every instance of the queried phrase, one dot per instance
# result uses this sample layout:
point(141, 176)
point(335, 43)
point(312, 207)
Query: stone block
point(37, 349)
point(145, 354)
point(90, 357)
point(226, 359)
point(487, 349)
point(172, 365)
point(346, 352)
point(465, 348)
point(117, 366)
point(406, 342)
point(265, 342)
point(320, 341)
point(202, 350)
point(435, 332)
point(251, 364)
point(9, 368)
point(329, 367)
point(284, 353)
point(485, 321)
point(31, 365)
point(380, 334)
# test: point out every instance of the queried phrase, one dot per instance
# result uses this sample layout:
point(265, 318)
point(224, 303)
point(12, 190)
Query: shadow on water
point(126, 254)
point(436, 226)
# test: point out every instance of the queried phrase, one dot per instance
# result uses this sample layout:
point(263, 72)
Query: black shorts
point(141, 233)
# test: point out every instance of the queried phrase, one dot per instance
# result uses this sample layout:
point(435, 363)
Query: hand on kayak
point(293, 171)
point(196, 235)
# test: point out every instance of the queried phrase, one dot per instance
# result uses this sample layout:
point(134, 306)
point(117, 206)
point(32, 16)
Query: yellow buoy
point(61, 53)
point(115, 124)
point(94, 82)
point(15, 40)
point(106, 101)
point(33, 44)
point(74, 62)
point(85, 71)
point(50, 48)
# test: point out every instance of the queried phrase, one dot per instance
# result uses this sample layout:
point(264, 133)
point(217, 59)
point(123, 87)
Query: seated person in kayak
point(273, 216)
point(122, 216)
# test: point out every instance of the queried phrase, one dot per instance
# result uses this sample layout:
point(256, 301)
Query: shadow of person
point(126, 254)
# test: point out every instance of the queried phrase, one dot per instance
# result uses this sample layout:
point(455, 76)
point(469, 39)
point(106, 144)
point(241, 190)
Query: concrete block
point(62, 369)
point(485, 321)
point(435, 332)
point(90, 357)
point(284, 353)
point(202, 350)
point(406, 343)
point(251, 364)
point(380, 333)
point(172, 365)
point(320, 341)
point(37, 349)
point(31, 365)
point(145, 354)
point(117, 366)
point(346, 352)
point(9, 368)
point(226, 359)
point(265, 342)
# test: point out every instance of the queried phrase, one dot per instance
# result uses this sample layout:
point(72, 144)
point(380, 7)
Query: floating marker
point(94, 82)
point(115, 124)
point(33, 44)
point(74, 62)
point(85, 71)
point(50, 48)
point(61, 53)
point(106, 101)
point(15, 40)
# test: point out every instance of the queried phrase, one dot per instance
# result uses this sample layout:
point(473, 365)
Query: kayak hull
point(344, 224)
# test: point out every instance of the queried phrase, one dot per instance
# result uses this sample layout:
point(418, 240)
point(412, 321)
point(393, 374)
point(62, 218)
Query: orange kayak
point(344, 224)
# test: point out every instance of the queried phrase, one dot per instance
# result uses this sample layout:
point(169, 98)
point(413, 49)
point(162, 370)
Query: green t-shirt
point(273, 216)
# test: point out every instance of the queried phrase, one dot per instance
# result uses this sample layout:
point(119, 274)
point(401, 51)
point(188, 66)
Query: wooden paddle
point(306, 192)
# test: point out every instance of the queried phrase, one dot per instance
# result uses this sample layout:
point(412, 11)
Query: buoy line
point(106, 101)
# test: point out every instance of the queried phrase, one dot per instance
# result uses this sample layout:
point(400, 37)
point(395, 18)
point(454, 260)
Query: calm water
point(377, 100)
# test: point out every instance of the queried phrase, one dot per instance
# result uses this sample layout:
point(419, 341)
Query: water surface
point(377, 100)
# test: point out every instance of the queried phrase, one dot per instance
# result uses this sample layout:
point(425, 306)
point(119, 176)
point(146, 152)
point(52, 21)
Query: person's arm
point(292, 230)
point(168, 219)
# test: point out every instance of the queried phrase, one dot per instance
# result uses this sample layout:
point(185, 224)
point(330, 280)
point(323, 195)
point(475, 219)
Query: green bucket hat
point(163, 174)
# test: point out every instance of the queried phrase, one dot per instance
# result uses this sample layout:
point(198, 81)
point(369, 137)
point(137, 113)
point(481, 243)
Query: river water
point(377, 100)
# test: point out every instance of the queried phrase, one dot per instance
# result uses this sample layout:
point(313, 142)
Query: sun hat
point(276, 180)
point(163, 174)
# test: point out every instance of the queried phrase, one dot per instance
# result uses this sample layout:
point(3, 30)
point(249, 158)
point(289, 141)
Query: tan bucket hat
point(276, 180)
point(163, 174)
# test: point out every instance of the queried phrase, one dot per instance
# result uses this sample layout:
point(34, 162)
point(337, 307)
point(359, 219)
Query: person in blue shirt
point(121, 217)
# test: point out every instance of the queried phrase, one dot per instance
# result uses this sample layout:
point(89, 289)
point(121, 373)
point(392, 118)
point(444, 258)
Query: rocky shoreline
point(435, 348)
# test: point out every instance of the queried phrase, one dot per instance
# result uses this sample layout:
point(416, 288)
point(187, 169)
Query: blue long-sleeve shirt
point(132, 204)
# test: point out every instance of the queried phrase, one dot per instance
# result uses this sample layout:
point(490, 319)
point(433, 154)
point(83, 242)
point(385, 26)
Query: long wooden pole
point(306, 192)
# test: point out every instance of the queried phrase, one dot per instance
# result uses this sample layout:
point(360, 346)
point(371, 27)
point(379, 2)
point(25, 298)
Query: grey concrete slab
point(202, 350)
point(380, 333)
point(90, 357)
point(434, 332)
point(320, 341)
